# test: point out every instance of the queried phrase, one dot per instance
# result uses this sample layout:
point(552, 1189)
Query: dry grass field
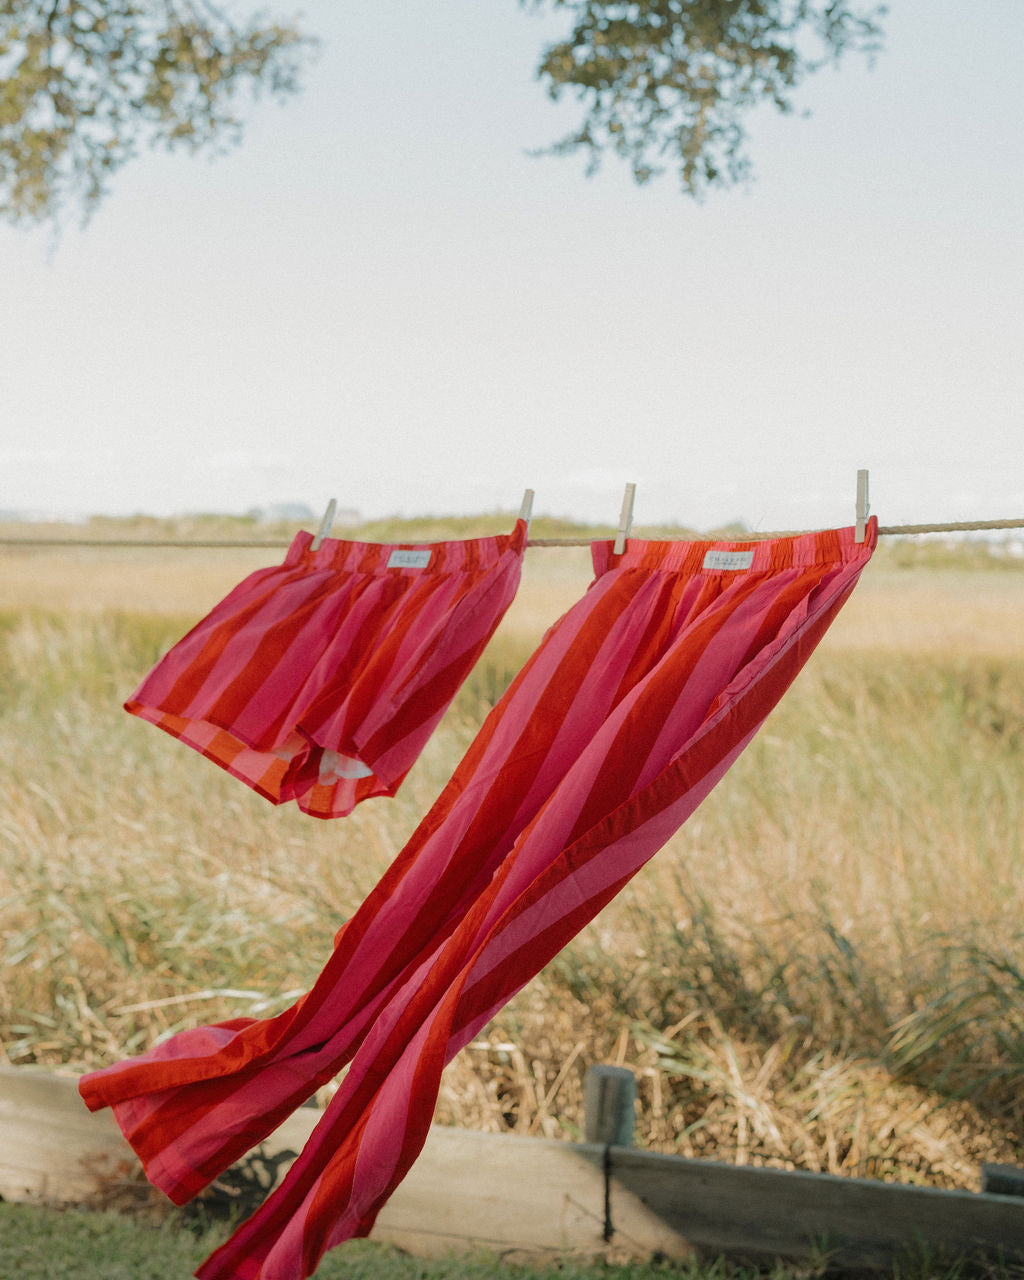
point(823, 970)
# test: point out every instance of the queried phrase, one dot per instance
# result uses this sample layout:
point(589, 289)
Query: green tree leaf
point(670, 82)
point(85, 82)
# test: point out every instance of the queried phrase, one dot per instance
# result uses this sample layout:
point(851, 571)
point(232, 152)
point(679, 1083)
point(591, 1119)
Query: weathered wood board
point(762, 1212)
point(467, 1190)
point(530, 1196)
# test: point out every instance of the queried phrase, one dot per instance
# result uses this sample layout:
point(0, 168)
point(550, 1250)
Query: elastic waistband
point(803, 550)
point(465, 554)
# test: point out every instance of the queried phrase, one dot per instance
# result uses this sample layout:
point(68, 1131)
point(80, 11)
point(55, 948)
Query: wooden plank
point(515, 1194)
point(51, 1147)
point(531, 1196)
point(776, 1213)
point(467, 1191)
point(1003, 1179)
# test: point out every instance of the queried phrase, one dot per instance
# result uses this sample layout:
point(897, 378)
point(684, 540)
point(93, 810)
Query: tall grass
point(823, 970)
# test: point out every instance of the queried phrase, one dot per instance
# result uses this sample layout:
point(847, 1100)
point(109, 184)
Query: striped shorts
point(634, 706)
point(319, 680)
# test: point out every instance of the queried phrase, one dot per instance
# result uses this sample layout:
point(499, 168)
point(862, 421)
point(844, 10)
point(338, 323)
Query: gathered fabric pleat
point(635, 704)
point(319, 680)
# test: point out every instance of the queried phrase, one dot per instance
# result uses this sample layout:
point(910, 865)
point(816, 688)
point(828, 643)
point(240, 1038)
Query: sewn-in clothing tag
point(728, 560)
point(409, 559)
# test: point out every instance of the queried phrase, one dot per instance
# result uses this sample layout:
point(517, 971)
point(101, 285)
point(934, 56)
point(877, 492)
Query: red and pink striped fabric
point(319, 680)
point(633, 707)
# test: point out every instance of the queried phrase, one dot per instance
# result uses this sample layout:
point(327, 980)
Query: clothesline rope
point(950, 526)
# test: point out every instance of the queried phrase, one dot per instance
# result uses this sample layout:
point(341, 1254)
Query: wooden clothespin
point(625, 519)
point(526, 510)
point(325, 525)
point(863, 506)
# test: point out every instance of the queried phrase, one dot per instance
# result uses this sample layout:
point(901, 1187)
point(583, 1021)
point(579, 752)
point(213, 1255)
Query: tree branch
point(673, 80)
point(94, 80)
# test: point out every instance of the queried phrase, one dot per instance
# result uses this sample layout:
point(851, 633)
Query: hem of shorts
point(387, 792)
point(139, 708)
point(288, 795)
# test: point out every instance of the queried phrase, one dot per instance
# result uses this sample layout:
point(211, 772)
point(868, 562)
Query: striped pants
point(635, 704)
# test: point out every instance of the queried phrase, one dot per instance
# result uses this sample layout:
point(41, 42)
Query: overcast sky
point(382, 297)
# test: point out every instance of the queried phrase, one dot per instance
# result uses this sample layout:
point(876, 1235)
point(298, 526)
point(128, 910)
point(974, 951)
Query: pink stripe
point(427, 646)
point(329, 631)
point(592, 705)
point(288, 601)
point(624, 858)
point(716, 667)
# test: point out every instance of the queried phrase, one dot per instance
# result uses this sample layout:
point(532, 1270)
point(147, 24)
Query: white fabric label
point(728, 560)
point(409, 559)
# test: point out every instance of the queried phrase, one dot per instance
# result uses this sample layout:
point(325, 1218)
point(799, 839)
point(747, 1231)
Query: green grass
point(43, 1244)
point(47, 1244)
point(38, 1243)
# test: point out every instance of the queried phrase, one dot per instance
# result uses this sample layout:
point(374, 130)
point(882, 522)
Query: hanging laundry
point(636, 703)
point(320, 680)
